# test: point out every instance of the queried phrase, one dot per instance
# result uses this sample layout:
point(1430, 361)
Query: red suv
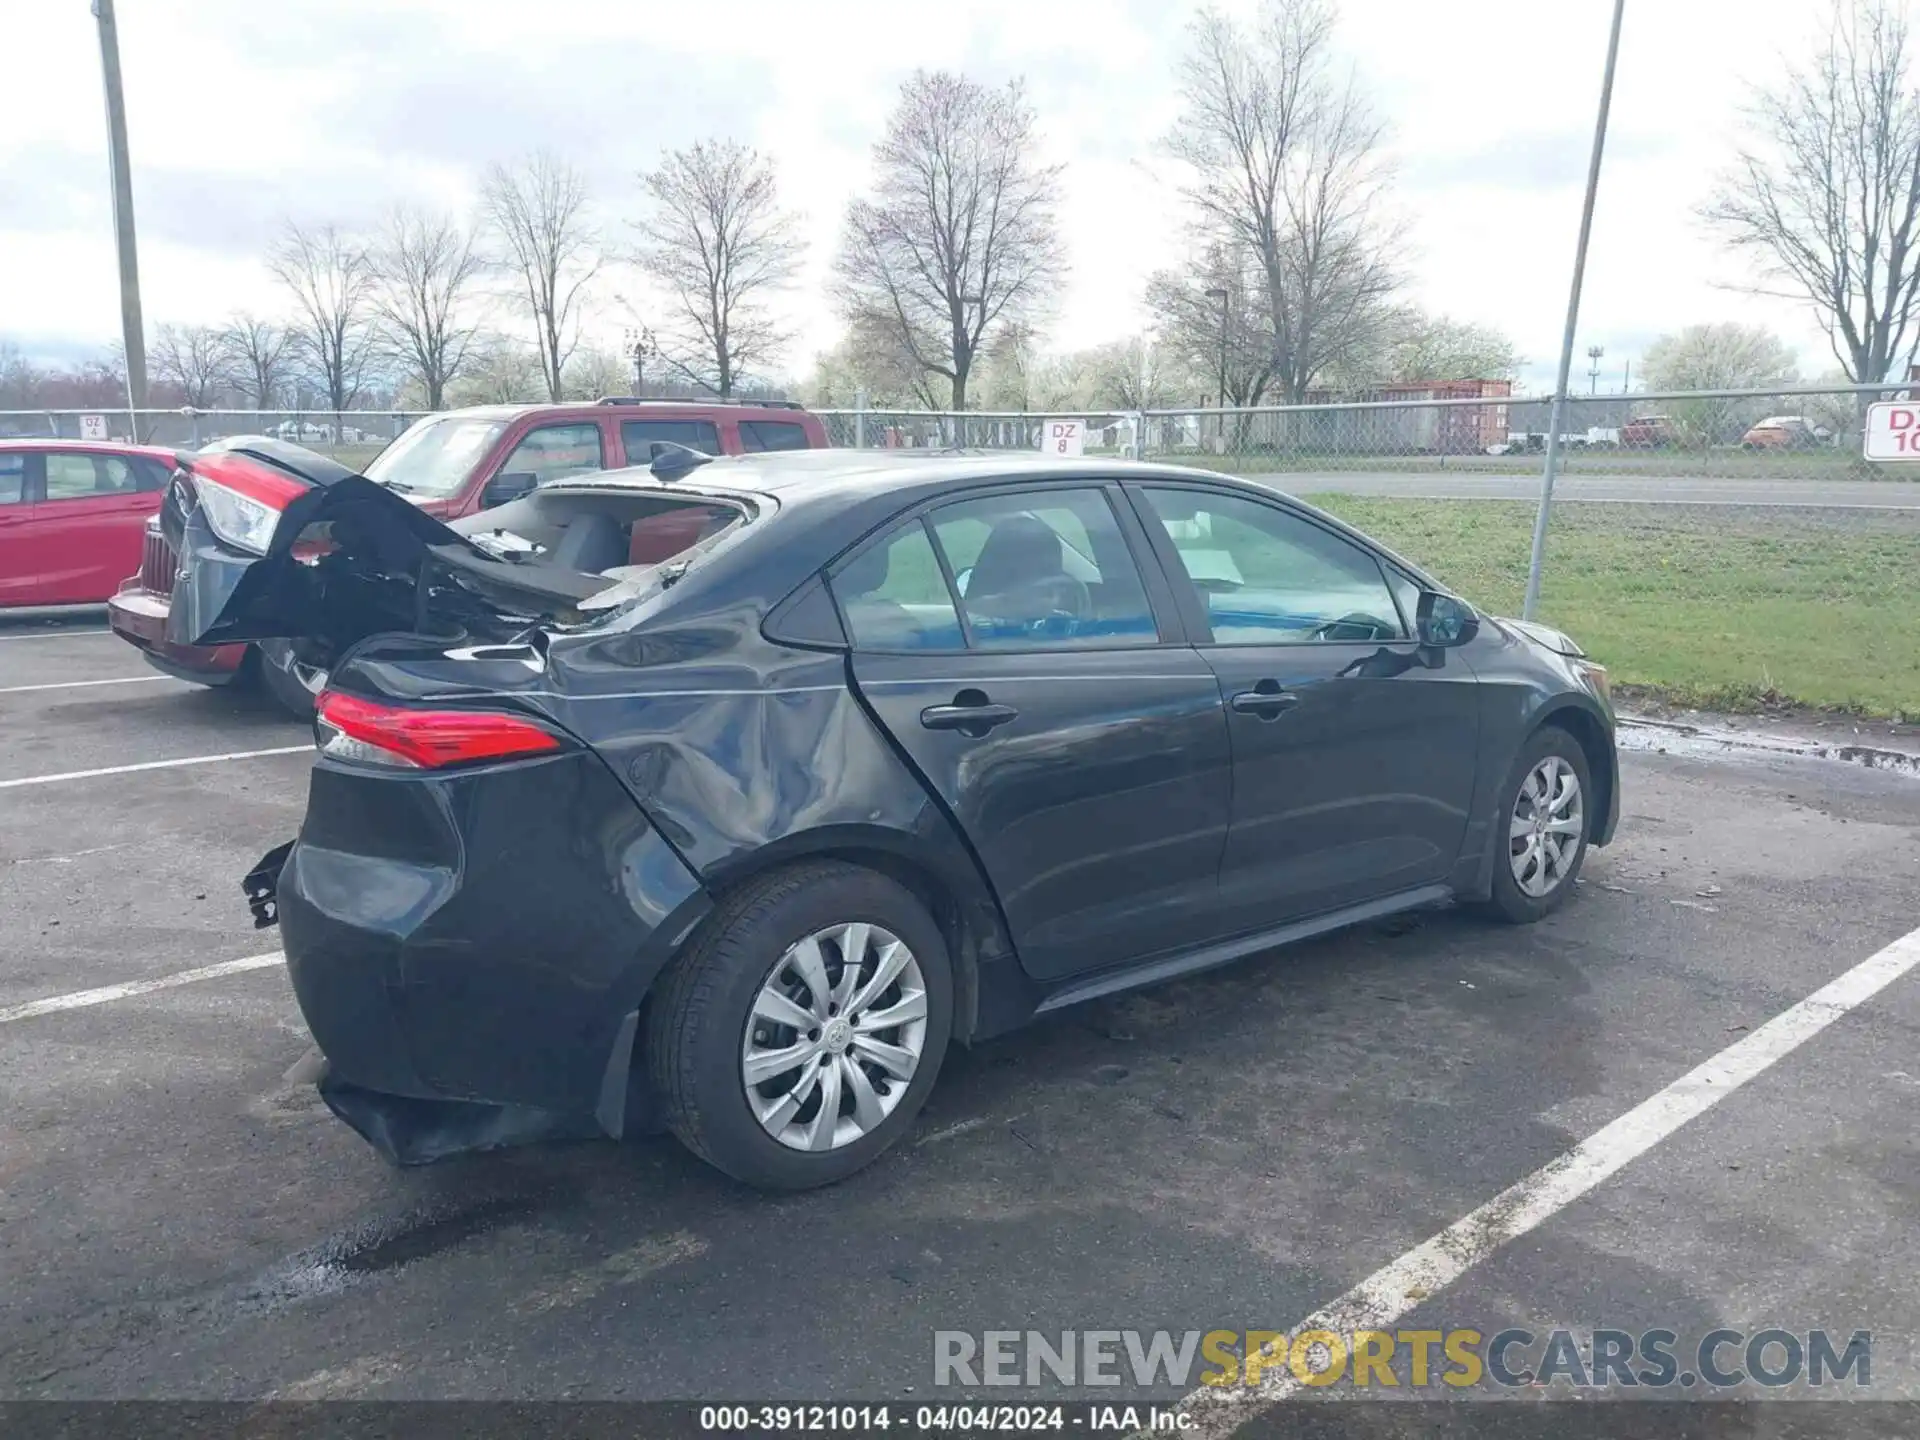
point(452, 464)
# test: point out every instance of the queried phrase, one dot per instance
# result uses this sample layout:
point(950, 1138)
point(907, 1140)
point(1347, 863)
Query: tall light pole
point(1594, 352)
point(1558, 410)
point(133, 334)
point(640, 345)
point(1220, 293)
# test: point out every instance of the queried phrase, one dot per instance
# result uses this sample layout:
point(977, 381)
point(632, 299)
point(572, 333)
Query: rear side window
point(639, 436)
point(81, 477)
point(895, 598)
point(758, 435)
point(13, 478)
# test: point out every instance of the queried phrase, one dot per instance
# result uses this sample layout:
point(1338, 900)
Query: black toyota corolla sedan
point(729, 792)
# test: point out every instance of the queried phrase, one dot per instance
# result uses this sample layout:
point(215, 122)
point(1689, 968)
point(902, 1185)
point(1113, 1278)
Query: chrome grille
point(157, 564)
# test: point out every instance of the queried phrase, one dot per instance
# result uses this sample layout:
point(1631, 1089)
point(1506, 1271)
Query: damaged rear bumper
point(470, 950)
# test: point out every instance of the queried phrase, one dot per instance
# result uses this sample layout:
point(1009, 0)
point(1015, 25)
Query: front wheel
point(797, 1039)
point(1540, 824)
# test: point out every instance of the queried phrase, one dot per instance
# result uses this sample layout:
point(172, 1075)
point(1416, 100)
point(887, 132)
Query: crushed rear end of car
point(475, 903)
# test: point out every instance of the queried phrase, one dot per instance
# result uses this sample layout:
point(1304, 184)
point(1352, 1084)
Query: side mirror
point(1443, 621)
point(502, 489)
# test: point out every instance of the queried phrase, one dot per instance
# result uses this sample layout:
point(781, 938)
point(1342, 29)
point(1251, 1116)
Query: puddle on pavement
point(346, 1260)
point(1690, 742)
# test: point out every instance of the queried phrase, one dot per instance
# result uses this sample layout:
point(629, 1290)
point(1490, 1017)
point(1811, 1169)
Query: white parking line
point(153, 765)
point(80, 684)
point(54, 634)
point(1394, 1291)
point(80, 999)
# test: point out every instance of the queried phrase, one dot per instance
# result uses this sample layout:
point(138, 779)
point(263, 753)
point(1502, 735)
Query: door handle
point(1267, 700)
point(971, 714)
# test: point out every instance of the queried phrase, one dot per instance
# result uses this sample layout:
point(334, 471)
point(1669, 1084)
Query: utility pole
point(1558, 411)
point(133, 334)
point(1220, 293)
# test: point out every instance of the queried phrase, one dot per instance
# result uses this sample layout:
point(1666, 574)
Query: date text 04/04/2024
point(942, 1419)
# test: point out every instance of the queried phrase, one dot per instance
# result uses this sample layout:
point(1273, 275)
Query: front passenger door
point(1008, 646)
point(1353, 761)
point(19, 570)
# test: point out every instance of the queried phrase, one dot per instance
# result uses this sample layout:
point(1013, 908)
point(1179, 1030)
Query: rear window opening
point(627, 539)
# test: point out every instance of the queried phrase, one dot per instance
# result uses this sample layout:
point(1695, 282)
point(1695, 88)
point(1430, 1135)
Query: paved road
point(1638, 489)
point(178, 1219)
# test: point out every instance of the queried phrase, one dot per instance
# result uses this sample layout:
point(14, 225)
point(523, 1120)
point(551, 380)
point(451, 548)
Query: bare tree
point(538, 208)
point(1215, 319)
point(331, 277)
point(959, 234)
point(20, 378)
point(425, 265)
point(1829, 199)
point(259, 354)
point(719, 243)
point(191, 359)
point(1285, 161)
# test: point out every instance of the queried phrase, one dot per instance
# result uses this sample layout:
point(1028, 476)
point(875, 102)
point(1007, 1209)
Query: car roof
point(822, 475)
point(102, 447)
point(660, 409)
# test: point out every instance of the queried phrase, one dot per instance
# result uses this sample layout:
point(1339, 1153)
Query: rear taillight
point(367, 731)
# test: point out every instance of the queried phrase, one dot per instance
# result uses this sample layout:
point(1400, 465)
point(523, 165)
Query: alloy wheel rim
point(1547, 827)
point(835, 1037)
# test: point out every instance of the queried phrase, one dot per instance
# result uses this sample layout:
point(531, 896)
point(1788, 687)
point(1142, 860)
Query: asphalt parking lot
point(178, 1219)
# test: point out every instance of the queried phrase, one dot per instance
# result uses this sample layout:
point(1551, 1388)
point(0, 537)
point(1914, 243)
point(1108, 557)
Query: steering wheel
point(1355, 620)
point(1066, 596)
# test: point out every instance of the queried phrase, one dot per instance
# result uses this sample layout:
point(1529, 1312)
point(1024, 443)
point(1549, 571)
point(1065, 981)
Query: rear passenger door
point(1012, 646)
point(88, 522)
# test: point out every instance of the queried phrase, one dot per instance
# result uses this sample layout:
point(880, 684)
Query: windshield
point(435, 456)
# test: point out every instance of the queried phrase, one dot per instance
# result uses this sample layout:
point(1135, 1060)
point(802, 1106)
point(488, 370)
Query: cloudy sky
point(242, 113)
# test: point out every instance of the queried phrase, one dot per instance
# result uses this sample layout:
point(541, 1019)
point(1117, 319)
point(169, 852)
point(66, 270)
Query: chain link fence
point(1794, 433)
point(353, 437)
point(1791, 433)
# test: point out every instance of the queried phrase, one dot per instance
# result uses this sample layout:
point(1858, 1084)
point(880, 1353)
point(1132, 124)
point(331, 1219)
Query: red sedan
point(72, 517)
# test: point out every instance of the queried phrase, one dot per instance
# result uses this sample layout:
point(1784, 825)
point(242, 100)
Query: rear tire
point(1535, 864)
point(736, 999)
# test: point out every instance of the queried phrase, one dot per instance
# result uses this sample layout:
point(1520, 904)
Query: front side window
point(551, 452)
point(1269, 577)
point(638, 436)
point(13, 478)
point(82, 477)
point(1044, 569)
point(435, 457)
point(895, 598)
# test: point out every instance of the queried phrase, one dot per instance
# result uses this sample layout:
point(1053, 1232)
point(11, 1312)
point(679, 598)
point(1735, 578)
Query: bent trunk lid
point(347, 558)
